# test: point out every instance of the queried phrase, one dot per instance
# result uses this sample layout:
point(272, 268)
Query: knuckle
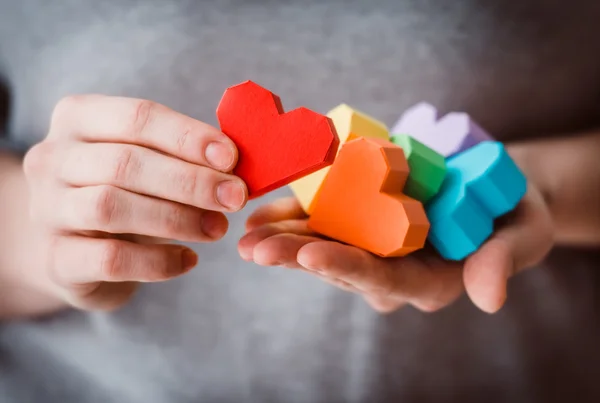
point(111, 260)
point(186, 180)
point(183, 140)
point(64, 107)
point(36, 160)
point(175, 218)
point(104, 206)
point(386, 286)
point(141, 115)
point(123, 166)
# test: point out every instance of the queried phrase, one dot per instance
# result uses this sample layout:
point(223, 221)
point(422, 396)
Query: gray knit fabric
point(230, 331)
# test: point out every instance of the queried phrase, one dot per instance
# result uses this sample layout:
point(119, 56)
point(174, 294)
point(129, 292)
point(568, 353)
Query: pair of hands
point(117, 178)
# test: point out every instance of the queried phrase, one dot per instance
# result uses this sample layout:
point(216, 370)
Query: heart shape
point(427, 168)
point(361, 201)
point(275, 148)
point(448, 135)
point(349, 124)
point(481, 184)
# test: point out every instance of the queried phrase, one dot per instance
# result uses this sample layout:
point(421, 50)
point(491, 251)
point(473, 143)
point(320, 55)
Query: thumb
point(525, 237)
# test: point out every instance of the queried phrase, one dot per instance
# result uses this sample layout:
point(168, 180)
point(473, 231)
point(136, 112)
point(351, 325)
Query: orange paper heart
point(361, 201)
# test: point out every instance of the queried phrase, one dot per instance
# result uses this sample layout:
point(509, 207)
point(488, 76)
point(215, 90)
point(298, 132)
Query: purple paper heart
point(449, 135)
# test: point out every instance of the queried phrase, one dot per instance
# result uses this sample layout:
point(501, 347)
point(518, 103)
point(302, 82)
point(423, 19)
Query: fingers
point(99, 118)
point(113, 210)
point(131, 167)
point(523, 240)
point(421, 279)
point(248, 243)
point(486, 274)
point(427, 286)
point(80, 265)
point(80, 260)
point(528, 231)
point(281, 250)
point(144, 171)
point(282, 209)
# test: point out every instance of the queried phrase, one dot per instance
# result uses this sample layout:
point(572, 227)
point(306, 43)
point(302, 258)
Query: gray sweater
point(231, 331)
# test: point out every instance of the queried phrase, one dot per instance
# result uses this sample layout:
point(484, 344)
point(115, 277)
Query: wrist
point(567, 173)
point(528, 156)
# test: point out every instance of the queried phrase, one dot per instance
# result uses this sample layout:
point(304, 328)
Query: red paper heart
point(275, 148)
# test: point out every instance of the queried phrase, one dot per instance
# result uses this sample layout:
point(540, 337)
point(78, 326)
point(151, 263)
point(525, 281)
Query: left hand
point(278, 235)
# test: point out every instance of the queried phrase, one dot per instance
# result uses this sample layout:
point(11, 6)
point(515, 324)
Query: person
point(112, 107)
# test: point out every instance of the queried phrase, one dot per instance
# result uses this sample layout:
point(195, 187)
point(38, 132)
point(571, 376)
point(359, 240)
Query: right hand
point(114, 176)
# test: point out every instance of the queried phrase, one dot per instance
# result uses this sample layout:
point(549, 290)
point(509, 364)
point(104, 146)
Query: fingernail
point(219, 155)
point(214, 225)
point(231, 195)
point(188, 259)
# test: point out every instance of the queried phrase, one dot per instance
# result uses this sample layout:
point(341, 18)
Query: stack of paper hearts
point(442, 179)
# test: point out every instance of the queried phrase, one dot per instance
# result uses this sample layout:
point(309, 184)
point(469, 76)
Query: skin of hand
point(278, 235)
point(113, 179)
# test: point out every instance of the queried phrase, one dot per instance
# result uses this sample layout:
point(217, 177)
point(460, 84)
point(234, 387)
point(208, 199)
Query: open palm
point(278, 235)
